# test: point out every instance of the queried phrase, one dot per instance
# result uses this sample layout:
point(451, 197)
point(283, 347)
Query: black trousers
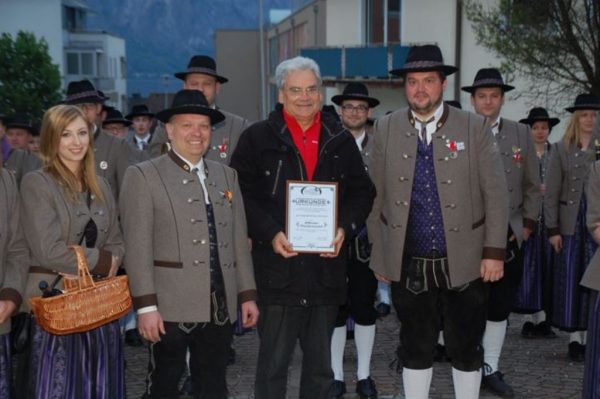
point(209, 348)
point(460, 311)
point(279, 328)
point(362, 288)
point(504, 291)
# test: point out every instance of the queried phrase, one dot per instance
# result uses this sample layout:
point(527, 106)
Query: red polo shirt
point(306, 141)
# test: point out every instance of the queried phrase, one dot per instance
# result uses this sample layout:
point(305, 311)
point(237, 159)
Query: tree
point(553, 43)
point(29, 82)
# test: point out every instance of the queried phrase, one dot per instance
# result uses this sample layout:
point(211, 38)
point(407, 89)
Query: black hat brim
point(340, 98)
point(84, 100)
point(583, 107)
point(17, 125)
point(133, 115)
point(220, 79)
point(446, 69)
point(214, 115)
point(122, 121)
point(503, 87)
point(551, 121)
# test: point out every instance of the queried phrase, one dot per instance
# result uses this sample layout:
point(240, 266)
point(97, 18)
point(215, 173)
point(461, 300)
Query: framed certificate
point(311, 215)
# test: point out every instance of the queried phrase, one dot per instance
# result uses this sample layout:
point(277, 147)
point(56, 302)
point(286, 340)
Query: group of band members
point(470, 216)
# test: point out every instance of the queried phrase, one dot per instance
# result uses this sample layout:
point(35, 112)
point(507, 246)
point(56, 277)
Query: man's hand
point(337, 244)
point(596, 233)
point(249, 314)
point(114, 266)
point(282, 246)
point(7, 308)
point(526, 233)
point(556, 241)
point(150, 326)
point(491, 270)
point(381, 278)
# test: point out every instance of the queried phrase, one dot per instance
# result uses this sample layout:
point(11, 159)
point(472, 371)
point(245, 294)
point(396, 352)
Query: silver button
point(397, 202)
point(404, 156)
point(202, 242)
point(190, 200)
point(196, 262)
point(192, 220)
point(194, 241)
point(185, 181)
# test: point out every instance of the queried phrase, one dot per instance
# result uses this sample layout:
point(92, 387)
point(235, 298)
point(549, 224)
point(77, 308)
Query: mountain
point(162, 35)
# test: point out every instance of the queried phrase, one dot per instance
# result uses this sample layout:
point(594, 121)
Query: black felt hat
point(488, 77)
point(454, 103)
point(82, 92)
point(190, 102)
point(355, 91)
point(585, 101)
point(115, 116)
point(539, 114)
point(202, 64)
point(21, 121)
point(139, 110)
point(423, 59)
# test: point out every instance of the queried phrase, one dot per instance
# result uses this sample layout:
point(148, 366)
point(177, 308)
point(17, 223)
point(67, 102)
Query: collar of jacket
point(440, 123)
point(182, 164)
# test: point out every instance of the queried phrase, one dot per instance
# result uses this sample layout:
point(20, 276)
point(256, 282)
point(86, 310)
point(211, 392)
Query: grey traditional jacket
point(21, 162)
point(566, 179)
point(166, 231)
point(113, 156)
point(52, 222)
point(522, 175)
point(14, 255)
point(223, 140)
point(470, 183)
point(591, 277)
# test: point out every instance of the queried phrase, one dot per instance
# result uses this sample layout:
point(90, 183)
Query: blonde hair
point(56, 120)
point(572, 134)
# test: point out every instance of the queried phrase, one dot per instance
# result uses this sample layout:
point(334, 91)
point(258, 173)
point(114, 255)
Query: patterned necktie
point(423, 132)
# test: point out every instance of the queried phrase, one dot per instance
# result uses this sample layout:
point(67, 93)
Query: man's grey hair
point(296, 64)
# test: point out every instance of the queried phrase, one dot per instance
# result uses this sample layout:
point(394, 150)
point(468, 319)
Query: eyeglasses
point(359, 109)
point(309, 91)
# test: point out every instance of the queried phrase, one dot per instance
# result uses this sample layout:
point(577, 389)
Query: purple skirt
point(570, 301)
point(536, 283)
point(84, 365)
point(5, 366)
point(591, 371)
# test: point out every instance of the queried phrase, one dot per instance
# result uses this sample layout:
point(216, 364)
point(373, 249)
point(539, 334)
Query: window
point(80, 64)
point(72, 64)
point(87, 64)
point(382, 14)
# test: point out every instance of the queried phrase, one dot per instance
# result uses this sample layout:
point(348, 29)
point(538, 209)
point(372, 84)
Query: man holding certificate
point(305, 189)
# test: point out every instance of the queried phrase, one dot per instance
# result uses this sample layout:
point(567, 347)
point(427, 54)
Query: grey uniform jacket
point(591, 277)
point(565, 182)
point(522, 175)
point(21, 162)
point(113, 156)
point(14, 255)
point(470, 183)
point(52, 222)
point(223, 140)
point(166, 234)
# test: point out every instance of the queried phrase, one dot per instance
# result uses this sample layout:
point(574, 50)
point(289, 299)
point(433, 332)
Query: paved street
point(535, 368)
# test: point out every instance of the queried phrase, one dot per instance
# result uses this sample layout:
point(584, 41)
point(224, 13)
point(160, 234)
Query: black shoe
point(495, 383)
point(543, 330)
point(366, 389)
point(383, 309)
point(577, 351)
point(231, 356)
point(528, 330)
point(186, 388)
point(338, 389)
point(132, 338)
point(440, 354)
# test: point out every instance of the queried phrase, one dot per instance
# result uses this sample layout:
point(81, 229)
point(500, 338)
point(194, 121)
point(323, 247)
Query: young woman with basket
point(66, 204)
point(13, 270)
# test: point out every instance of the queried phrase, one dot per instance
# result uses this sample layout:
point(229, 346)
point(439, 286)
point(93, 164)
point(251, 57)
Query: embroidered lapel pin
point(228, 195)
point(454, 147)
point(517, 158)
point(223, 148)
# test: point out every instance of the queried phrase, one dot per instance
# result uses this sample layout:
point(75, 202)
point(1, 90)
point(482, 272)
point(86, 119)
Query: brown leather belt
point(41, 270)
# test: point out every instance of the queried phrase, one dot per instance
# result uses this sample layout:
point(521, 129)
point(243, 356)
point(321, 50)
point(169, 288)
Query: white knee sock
point(576, 337)
point(383, 292)
point(493, 339)
point(584, 337)
point(538, 317)
point(416, 383)
point(338, 342)
point(466, 383)
point(364, 337)
point(441, 338)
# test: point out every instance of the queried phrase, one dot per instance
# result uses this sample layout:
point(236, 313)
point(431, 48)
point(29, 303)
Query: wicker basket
point(85, 304)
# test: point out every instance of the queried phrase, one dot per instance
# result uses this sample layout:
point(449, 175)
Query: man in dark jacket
point(298, 293)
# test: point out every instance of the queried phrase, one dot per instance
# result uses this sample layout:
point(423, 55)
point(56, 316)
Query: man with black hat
point(19, 130)
point(15, 155)
point(141, 118)
point(201, 74)
point(438, 224)
point(189, 264)
point(523, 183)
point(112, 154)
point(355, 109)
point(299, 293)
point(115, 123)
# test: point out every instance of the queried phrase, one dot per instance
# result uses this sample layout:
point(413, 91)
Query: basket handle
point(84, 278)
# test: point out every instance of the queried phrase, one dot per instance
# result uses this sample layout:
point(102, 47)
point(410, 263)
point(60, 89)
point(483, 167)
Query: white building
point(79, 53)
